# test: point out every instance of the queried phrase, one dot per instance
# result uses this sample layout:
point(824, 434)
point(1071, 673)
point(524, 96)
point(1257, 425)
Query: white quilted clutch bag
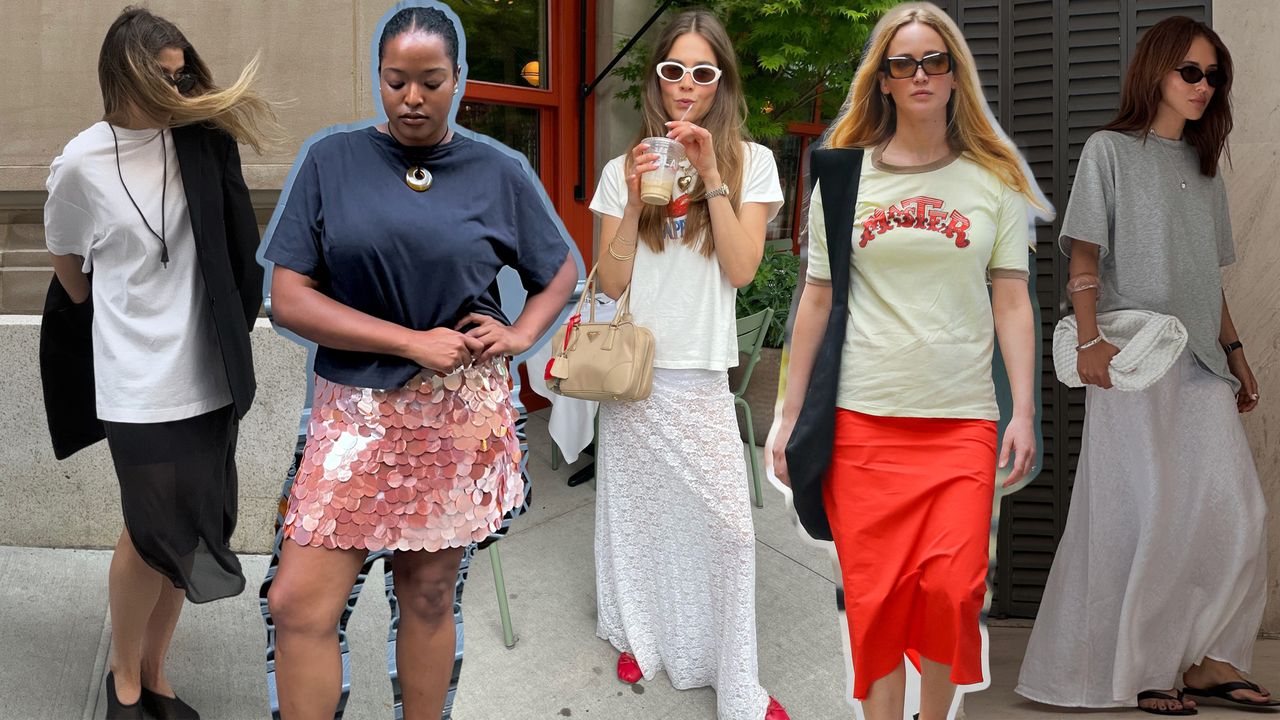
point(1149, 345)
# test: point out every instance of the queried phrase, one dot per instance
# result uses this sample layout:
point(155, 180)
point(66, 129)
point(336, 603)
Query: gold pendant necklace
point(1182, 182)
point(685, 181)
point(418, 179)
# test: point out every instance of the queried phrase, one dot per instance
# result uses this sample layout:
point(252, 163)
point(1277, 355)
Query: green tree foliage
point(502, 37)
point(792, 52)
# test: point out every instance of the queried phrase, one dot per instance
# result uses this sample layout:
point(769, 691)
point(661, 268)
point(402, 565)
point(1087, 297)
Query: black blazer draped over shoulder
point(226, 237)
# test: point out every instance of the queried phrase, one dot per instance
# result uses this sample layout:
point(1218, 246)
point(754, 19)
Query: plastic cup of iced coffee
point(656, 185)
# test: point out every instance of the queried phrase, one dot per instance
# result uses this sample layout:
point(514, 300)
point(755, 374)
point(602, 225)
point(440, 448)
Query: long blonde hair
point(725, 121)
point(869, 117)
point(129, 74)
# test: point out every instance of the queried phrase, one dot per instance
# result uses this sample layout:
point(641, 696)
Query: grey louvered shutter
point(1015, 45)
point(979, 20)
point(1142, 14)
point(1029, 531)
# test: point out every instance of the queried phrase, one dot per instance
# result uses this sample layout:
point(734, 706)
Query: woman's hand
point(642, 161)
point(780, 440)
point(1247, 397)
point(1094, 364)
point(497, 339)
point(1020, 440)
point(442, 349)
point(698, 147)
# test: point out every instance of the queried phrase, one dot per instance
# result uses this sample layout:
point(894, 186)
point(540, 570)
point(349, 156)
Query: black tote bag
point(836, 173)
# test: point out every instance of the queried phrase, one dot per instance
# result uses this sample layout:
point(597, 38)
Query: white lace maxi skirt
point(1163, 561)
point(675, 547)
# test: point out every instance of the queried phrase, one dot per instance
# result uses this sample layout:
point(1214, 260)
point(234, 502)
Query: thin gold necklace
point(1182, 182)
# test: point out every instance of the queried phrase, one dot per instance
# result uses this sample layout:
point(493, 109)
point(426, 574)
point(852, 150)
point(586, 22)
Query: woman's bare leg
point(936, 690)
point(133, 588)
point(155, 640)
point(426, 643)
point(887, 697)
point(306, 601)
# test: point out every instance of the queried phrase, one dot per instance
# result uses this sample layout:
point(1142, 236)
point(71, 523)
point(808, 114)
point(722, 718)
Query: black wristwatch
point(1232, 347)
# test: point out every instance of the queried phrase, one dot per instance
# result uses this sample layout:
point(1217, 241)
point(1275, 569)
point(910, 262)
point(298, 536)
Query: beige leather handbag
point(607, 361)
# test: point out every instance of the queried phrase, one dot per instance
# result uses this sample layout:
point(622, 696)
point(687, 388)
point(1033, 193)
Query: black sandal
point(1157, 695)
point(1223, 692)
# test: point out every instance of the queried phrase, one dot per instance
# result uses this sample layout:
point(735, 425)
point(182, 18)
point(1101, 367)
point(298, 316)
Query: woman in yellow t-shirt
point(942, 210)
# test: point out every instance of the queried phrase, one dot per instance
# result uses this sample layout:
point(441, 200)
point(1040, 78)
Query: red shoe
point(629, 669)
point(776, 711)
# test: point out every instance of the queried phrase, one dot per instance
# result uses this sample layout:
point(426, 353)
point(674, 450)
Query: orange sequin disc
point(432, 465)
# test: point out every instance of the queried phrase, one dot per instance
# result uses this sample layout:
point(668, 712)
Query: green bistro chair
point(504, 607)
point(751, 332)
point(779, 245)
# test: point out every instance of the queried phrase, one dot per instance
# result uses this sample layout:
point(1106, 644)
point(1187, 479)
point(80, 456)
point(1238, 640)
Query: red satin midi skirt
point(909, 502)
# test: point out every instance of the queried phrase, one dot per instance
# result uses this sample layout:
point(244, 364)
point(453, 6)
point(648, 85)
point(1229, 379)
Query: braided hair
point(420, 19)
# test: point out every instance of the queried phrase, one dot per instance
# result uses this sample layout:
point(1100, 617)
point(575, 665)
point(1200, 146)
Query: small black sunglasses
point(185, 82)
point(900, 67)
point(1191, 75)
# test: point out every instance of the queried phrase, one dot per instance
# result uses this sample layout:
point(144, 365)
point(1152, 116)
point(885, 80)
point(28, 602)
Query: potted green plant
point(773, 286)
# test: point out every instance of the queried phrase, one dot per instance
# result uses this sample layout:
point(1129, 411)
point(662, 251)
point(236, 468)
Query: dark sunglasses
point(1191, 75)
point(185, 82)
point(901, 67)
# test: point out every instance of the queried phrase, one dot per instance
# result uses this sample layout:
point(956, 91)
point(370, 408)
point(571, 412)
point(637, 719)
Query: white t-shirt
point(155, 347)
point(681, 296)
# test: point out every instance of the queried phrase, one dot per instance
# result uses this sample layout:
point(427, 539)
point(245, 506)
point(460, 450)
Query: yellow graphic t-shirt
point(925, 239)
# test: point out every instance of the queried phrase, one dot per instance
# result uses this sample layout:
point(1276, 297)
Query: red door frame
point(558, 113)
point(808, 132)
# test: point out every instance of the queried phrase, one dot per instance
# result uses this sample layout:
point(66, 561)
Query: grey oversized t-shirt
point(1161, 245)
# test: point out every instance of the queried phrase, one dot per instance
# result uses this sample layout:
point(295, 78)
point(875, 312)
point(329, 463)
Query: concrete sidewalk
point(55, 634)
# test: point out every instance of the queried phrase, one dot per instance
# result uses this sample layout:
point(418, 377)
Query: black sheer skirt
point(178, 493)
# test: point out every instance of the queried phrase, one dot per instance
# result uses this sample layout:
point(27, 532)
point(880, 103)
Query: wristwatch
point(1232, 347)
point(722, 190)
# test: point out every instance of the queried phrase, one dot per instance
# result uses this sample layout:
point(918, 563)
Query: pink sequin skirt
point(432, 465)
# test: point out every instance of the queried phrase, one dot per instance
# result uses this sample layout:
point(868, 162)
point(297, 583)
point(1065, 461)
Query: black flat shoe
point(162, 707)
point(117, 710)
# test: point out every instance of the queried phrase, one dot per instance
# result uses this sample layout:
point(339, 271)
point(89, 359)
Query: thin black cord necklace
point(164, 186)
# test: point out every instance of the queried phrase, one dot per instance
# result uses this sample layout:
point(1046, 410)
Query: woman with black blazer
point(150, 203)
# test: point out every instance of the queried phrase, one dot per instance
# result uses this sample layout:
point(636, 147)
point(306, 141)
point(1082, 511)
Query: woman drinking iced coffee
point(683, 219)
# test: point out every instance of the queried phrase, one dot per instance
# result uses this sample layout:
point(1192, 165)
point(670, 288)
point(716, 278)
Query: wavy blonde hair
point(130, 75)
point(725, 121)
point(869, 117)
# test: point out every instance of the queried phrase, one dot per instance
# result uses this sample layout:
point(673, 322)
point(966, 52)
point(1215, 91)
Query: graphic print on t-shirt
point(677, 209)
point(920, 212)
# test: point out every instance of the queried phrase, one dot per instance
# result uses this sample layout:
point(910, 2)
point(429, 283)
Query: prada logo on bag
point(593, 334)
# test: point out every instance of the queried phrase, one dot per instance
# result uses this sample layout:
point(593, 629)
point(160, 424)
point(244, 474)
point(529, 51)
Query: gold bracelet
point(622, 258)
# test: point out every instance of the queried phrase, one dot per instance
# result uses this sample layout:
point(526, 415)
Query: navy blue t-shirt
point(420, 260)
